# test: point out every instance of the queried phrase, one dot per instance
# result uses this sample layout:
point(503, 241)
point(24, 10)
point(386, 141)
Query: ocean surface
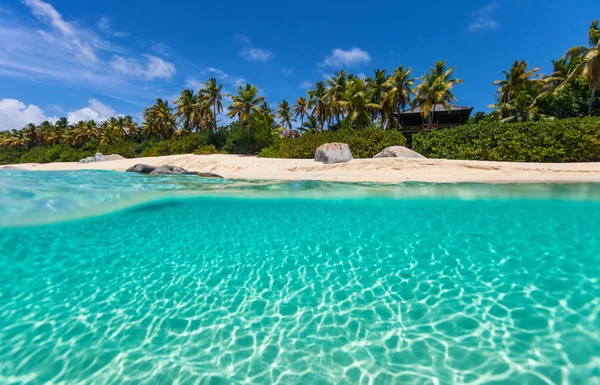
point(114, 278)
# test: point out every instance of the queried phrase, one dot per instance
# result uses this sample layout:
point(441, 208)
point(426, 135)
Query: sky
point(89, 60)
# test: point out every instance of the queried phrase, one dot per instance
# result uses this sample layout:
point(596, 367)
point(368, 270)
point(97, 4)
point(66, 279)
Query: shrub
point(364, 143)
point(174, 146)
point(208, 150)
point(9, 155)
point(126, 149)
point(568, 140)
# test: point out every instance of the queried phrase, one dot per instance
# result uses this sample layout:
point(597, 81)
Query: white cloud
point(339, 57)
point(154, 67)
point(104, 26)
point(306, 84)
point(57, 50)
point(251, 53)
point(482, 19)
point(14, 114)
point(287, 71)
point(95, 110)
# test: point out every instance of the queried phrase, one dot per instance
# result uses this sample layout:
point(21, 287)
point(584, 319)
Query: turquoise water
point(109, 278)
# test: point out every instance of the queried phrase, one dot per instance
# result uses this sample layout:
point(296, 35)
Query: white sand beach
point(388, 170)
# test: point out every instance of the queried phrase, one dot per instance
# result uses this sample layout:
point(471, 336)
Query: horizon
point(93, 61)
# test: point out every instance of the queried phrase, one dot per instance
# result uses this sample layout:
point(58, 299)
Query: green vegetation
point(567, 140)
point(364, 143)
point(525, 124)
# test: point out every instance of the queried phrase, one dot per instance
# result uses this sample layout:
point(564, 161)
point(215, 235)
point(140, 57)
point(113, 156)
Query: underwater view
point(118, 278)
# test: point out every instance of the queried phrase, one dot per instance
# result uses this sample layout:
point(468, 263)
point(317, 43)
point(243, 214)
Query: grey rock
point(141, 168)
point(114, 157)
point(89, 159)
point(170, 170)
point(399, 152)
point(99, 157)
point(333, 153)
point(12, 168)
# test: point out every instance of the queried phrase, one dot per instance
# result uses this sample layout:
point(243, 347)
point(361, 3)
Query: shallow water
point(141, 280)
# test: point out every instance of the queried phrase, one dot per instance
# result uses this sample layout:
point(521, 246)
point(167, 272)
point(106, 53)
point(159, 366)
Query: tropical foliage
point(566, 140)
point(526, 95)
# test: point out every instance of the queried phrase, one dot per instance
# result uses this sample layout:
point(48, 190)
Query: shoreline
point(384, 170)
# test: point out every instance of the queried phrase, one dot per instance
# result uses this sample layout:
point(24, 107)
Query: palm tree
point(318, 101)
point(310, 125)
point(523, 107)
point(589, 66)
point(284, 113)
point(212, 97)
point(519, 78)
point(357, 102)
point(336, 85)
point(17, 139)
point(436, 88)
point(132, 130)
point(160, 120)
point(300, 109)
point(400, 87)
point(84, 131)
point(188, 110)
point(31, 132)
point(244, 103)
point(378, 83)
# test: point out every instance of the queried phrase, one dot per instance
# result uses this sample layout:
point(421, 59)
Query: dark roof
point(439, 108)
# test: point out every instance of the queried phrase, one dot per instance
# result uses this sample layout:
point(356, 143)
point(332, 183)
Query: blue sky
point(90, 60)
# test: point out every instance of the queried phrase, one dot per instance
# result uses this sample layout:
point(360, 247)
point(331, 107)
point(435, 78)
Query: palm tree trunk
point(215, 116)
point(592, 100)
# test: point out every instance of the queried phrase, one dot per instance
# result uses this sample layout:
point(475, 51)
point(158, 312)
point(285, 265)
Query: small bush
point(363, 143)
point(208, 150)
point(568, 140)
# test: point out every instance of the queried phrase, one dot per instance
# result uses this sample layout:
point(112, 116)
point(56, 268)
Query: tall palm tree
point(336, 86)
point(284, 113)
point(318, 101)
point(589, 66)
point(31, 132)
point(436, 88)
point(357, 102)
point(84, 131)
point(160, 120)
point(300, 109)
point(244, 103)
point(378, 83)
point(17, 139)
point(212, 98)
point(188, 110)
point(400, 87)
point(518, 79)
point(132, 130)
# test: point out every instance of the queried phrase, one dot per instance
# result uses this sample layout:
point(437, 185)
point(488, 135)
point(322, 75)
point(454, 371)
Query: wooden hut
point(412, 121)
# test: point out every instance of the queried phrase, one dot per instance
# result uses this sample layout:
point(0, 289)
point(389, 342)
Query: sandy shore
point(388, 170)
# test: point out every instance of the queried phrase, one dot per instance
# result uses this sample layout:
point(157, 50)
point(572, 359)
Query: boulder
point(333, 153)
point(14, 168)
point(89, 159)
point(114, 157)
point(170, 170)
point(141, 168)
point(99, 157)
point(399, 152)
